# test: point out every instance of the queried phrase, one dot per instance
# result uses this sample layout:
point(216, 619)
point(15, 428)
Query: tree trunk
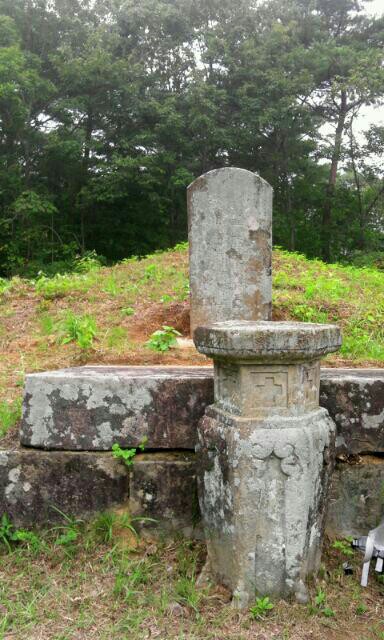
point(86, 157)
point(326, 222)
point(361, 237)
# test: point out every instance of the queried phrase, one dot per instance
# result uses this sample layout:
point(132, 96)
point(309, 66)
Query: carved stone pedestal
point(265, 455)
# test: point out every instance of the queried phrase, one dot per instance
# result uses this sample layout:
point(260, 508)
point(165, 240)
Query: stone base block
point(163, 488)
point(355, 401)
point(34, 483)
point(356, 502)
point(263, 504)
point(91, 408)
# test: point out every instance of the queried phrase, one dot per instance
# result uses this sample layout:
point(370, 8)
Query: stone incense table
point(265, 455)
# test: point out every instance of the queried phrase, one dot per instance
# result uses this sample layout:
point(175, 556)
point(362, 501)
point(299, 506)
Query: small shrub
point(61, 285)
point(261, 607)
point(90, 261)
point(79, 329)
point(163, 339)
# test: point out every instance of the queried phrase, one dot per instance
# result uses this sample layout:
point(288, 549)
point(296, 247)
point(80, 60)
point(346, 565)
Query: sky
point(371, 115)
point(375, 7)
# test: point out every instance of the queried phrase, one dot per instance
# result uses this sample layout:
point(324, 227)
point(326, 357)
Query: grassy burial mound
point(101, 580)
point(109, 315)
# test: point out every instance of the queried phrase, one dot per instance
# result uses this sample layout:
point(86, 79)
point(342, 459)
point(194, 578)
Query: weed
point(5, 285)
point(180, 247)
point(47, 325)
point(343, 546)
point(361, 608)
point(111, 287)
point(320, 598)
point(261, 607)
point(68, 532)
point(127, 455)
point(166, 298)
point(130, 577)
point(151, 272)
point(116, 337)
point(127, 311)
point(163, 339)
point(10, 413)
point(9, 535)
point(187, 593)
point(309, 314)
point(6, 531)
point(79, 329)
point(321, 605)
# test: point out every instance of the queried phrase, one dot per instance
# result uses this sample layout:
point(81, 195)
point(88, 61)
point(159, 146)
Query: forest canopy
point(110, 108)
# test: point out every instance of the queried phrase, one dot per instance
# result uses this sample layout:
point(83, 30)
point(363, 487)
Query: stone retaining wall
point(168, 402)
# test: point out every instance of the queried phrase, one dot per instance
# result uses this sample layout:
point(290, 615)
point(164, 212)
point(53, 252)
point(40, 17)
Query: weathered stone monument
point(265, 447)
point(230, 240)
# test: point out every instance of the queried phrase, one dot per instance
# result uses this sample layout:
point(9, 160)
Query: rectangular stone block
point(33, 483)
point(355, 401)
point(163, 488)
point(91, 408)
point(356, 503)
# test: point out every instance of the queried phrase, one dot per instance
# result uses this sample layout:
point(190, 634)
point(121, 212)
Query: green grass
point(108, 314)
point(78, 580)
point(312, 291)
point(10, 413)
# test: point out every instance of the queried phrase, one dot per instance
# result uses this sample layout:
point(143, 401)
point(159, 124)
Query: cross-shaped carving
point(264, 389)
point(272, 391)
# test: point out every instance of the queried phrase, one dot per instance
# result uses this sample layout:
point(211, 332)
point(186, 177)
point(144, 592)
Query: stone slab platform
point(90, 408)
point(355, 401)
point(34, 484)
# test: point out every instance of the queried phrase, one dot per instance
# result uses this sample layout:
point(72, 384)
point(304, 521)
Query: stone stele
point(230, 240)
point(265, 455)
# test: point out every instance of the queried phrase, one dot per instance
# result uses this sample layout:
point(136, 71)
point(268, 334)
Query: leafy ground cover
point(108, 314)
point(101, 581)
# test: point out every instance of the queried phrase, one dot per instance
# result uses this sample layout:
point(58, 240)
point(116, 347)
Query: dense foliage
point(109, 108)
